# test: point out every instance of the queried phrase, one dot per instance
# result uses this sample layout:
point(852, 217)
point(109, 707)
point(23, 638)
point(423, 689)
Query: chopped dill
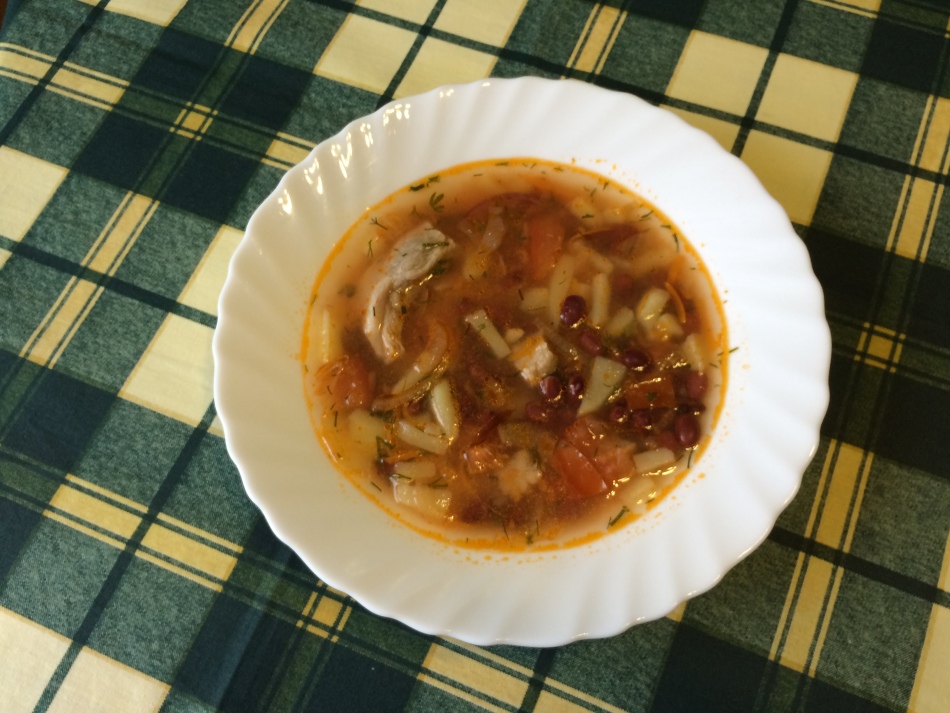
point(676, 239)
point(348, 290)
point(435, 200)
point(418, 187)
point(587, 215)
point(440, 267)
point(521, 294)
point(502, 163)
point(646, 215)
point(370, 246)
point(375, 221)
point(375, 486)
point(734, 349)
point(616, 518)
point(429, 246)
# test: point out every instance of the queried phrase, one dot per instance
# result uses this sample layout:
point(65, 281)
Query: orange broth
point(514, 354)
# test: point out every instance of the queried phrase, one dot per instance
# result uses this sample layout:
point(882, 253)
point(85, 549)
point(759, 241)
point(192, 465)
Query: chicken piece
point(534, 358)
point(412, 259)
point(518, 475)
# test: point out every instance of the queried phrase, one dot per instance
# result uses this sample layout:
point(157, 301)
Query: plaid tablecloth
point(136, 138)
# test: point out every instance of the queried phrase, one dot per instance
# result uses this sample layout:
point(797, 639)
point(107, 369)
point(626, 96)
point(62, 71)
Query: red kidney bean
point(686, 428)
point(640, 420)
point(635, 359)
point(619, 413)
point(573, 310)
point(551, 387)
point(590, 342)
point(537, 412)
point(575, 387)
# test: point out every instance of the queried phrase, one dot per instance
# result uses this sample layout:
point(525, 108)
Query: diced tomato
point(612, 458)
point(577, 470)
point(656, 392)
point(348, 381)
point(545, 242)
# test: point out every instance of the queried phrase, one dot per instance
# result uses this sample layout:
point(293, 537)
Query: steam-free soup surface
point(515, 353)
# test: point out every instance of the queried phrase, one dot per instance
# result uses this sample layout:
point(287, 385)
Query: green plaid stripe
point(136, 138)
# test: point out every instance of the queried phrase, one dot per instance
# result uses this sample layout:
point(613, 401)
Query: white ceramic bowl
point(767, 432)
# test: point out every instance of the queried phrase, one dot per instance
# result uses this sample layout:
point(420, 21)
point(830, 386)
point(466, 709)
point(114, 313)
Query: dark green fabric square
point(547, 32)
point(858, 201)
point(16, 382)
point(814, 25)
point(265, 578)
point(45, 25)
point(681, 12)
point(883, 119)
point(301, 34)
point(180, 64)
point(605, 669)
point(512, 68)
point(646, 53)
point(208, 20)
point(904, 520)
point(110, 340)
point(938, 254)
point(913, 431)
point(351, 681)
point(904, 55)
point(133, 451)
point(931, 316)
point(871, 624)
point(116, 45)
point(167, 252)
point(750, 21)
point(706, 674)
point(260, 185)
point(74, 217)
point(17, 522)
point(210, 494)
point(43, 132)
point(122, 151)
point(58, 420)
point(12, 94)
point(210, 181)
point(745, 607)
point(848, 271)
point(150, 620)
point(58, 577)
point(30, 289)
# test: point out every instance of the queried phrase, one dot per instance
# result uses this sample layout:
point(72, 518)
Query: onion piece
point(693, 351)
point(389, 403)
point(651, 307)
point(621, 322)
point(487, 330)
point(443, 407)
point(425, 364)
point(559, 286)
point(408, 433)
point(655, 462)
point(494, 230)
point(600, 300)
point(417, 470)
point(534, 299)
point(587, 254)
point(667, 327)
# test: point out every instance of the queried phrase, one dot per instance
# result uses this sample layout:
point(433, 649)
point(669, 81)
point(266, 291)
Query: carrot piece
point(578, 472)
point(545, 242)
point(677, 302)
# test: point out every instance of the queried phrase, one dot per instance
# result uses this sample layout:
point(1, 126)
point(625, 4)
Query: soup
point(514, 353)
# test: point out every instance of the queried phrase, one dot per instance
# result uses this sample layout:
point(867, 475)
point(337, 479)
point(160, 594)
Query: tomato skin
point(545, 242)
point(577, 470)
point(349, 381)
